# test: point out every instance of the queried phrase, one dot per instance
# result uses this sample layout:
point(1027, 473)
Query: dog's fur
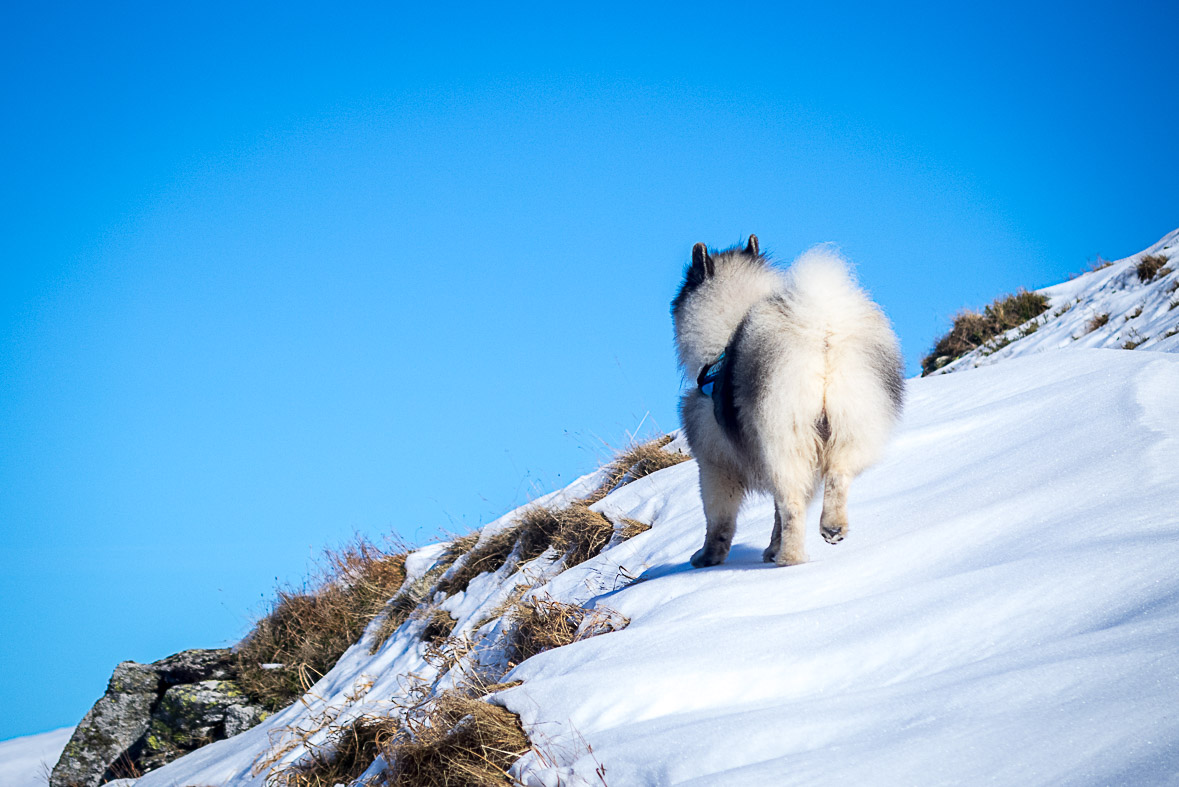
point(811, 387)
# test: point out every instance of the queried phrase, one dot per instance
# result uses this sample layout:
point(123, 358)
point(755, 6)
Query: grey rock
point(194, 666)
point(109, 729)
point(239, 718)
point(152, 714)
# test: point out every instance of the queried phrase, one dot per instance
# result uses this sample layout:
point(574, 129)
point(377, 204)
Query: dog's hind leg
point(788, 544)
point(770, 554)
point(793, 484)
point(833, 522)
point(722, 493)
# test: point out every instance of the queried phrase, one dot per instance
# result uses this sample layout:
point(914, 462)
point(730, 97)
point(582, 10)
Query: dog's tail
point(862, 381)
point(821, 283)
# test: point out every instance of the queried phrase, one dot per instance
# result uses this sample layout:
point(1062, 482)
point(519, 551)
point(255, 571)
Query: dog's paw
point(833, 534)
point(769, 555)
point(705, 557)
point(791, 558)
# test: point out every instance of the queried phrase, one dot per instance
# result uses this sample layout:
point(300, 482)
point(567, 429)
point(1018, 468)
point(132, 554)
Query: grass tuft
point(438, 627)
point(486, 557)
point(1098, 321)
point(455, 740)
point(634, 463)
point(1150, 266)
point(540, 624)
point(1098, 265)
point(346, 754)
point(410, 597)
point(972, 330)
point(632, 528)
point(307, 630)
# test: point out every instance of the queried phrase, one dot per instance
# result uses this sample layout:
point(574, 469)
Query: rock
point(152, 714)
point(193, 666)
point(109, 729)
point(192, 715)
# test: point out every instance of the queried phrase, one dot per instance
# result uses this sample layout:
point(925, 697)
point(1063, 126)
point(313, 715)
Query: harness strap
point(710, 374)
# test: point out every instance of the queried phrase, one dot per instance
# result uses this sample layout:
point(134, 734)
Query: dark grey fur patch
point(740, 383)
point(823, 427)
point(887, 365)
point(724, 403)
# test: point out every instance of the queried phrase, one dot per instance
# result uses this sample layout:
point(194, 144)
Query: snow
point(1005, 609)
point(1145, 313)
point(26, 762)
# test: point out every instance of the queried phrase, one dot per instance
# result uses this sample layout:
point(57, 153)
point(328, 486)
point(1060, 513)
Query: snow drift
point(1005, 608)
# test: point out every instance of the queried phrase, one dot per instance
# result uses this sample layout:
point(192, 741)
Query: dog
point(798, 378)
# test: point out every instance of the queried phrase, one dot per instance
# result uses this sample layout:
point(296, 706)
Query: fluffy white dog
point(798, 377)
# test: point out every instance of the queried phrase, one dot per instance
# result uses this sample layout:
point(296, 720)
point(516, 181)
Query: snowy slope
point(26, 762)
point(1145, 314)
point(1005, 610)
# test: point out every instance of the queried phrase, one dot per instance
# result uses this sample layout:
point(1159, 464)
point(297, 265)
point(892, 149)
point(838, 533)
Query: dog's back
point(800, 378)
point(822, 375)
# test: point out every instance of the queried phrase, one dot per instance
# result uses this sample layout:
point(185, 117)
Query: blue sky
point(272, 276)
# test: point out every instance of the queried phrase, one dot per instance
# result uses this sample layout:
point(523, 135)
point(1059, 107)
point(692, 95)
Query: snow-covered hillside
point(1107, 307)
point(1005, 610)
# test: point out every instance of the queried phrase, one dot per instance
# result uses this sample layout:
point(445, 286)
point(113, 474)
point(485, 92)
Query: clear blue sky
point(271, 276)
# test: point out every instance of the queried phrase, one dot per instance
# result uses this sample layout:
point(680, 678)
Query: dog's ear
point(752, 249)
point(701, 261)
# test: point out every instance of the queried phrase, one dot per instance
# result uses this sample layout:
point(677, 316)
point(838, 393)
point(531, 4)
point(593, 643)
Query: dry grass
point(455, 740)
point(307, 630)
point(1150, 267)
point(632, 528)
point(581, 533)
point(1099, 265)
point(1098, 321)
point(402, 606)
point(347, 753)
point(438, 627)
point(972, 330)
point(324, 760)
point(574, 530)
point(540, 624)
point(487, 557)
point(634, 463)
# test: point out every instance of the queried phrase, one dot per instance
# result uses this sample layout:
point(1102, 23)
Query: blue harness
point(706, 381)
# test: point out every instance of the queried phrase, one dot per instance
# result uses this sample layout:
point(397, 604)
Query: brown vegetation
point(308, 630)
point(1150, 267)
point(403, 605)
point(1096, 322)
point(454, 740)
point(632, 527)
point(971, 330)
point(453, 737)
point(486, 557)
point(348, 752)
point(540, 624)
point(1098, 265)
point(439, 626)
point(634, 463)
